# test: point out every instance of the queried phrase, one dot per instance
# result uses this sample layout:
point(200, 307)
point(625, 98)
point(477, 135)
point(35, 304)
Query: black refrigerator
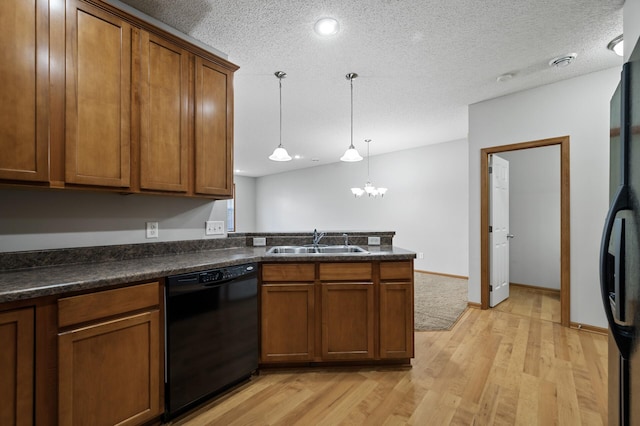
point(619, 251)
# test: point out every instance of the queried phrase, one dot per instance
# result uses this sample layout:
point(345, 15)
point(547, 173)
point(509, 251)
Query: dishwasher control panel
point(226, 273)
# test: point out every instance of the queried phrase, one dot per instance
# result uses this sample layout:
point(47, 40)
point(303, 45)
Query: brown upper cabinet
point(164, 114)
point(24, 42)
point(214, 129)
point(98, 97)
point(120, 105)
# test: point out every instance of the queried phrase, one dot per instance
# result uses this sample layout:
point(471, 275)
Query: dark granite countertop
point(21, 284)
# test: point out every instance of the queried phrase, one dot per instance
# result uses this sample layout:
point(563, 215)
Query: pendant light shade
point(351, 154)
point(280, 153)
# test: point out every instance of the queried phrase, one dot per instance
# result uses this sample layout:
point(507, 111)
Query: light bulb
point(326, 27)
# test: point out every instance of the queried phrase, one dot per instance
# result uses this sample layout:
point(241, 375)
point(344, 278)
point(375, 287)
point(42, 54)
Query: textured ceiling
point(421, 63)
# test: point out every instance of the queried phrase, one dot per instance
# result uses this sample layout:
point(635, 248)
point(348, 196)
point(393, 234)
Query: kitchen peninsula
point(66, 306)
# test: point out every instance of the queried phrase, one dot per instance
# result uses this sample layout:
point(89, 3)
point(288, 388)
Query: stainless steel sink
point(291, 249)
point(315, 250)
point(341, 249)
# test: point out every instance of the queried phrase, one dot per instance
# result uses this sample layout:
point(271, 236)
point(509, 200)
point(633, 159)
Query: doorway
point(563, 142)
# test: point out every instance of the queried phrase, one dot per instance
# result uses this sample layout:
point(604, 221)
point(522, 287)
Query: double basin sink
point(319, 249)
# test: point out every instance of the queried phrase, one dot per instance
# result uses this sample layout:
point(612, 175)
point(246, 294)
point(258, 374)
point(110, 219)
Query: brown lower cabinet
point(109, 357)
point(396, 342)
point(348, 317)
point(334, 312)
point(287, 322)
point(16, 367)
point(396, 295)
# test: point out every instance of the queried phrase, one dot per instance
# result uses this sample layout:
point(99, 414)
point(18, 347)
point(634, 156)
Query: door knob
point(510, 236)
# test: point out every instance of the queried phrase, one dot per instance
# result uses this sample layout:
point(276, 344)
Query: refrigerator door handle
point(619, 297)
point(621, 334)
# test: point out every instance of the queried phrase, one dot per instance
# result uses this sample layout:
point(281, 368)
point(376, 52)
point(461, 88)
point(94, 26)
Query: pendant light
point(368, 189)
point(280, 153)
point(351, 154)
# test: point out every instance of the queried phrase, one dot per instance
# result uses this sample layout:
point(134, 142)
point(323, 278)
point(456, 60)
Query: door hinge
point(490, 288)
point(490, 228)
point(490, 169)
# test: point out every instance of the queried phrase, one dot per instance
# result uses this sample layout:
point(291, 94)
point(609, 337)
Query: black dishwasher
point(211, 324)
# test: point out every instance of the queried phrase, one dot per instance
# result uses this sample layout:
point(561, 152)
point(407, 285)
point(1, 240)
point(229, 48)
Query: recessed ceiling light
point(504, 77)
point(326, 27)
point(297, 157)
point(617, 45)
point(562, 61)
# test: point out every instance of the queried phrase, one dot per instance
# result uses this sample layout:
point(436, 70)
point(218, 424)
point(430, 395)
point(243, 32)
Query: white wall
point(245, 203)
point(578, 107)
point(48, 219)
point(427, 202)
point(631, 23)
point(534, 216)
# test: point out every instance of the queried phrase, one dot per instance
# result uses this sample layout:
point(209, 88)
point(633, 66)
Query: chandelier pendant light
point(368, 189)
point(351, 154)
point(280, 153)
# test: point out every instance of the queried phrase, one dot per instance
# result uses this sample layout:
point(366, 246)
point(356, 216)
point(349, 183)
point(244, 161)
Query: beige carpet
point(438, 301)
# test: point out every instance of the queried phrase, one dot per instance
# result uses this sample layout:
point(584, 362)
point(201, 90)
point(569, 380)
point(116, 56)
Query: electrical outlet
point(373, 241)
point(259, 241)
point(214, 227)
point(420, 255)
point(152, 230)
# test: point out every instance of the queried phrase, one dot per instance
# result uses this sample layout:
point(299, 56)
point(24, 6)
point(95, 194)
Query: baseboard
point(474, 305)
point(537, 288)
point(441, 274)
point(590, 328)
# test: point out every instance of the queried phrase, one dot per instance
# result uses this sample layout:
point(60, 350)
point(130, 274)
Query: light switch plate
point(259, 242)
point(214, 227)
point(374, 241)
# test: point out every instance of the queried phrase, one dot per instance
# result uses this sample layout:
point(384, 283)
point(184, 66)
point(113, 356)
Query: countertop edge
point(25, 284)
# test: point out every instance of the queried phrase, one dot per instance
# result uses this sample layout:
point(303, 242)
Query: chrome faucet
point(346, 239)
point(317, 237)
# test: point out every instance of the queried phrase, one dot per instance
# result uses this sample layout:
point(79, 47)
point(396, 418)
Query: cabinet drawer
point(289, 272)
point(396, 270)
point(89, 307)
point(345, 271)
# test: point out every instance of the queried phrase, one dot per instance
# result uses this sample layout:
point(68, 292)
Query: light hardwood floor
point(532, 302)
point(493, 368)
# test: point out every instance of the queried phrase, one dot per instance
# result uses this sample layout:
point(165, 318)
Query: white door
point(499, 223)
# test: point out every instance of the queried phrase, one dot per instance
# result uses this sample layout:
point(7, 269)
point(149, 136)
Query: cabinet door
point(213, 130)
point(396, 320)
point(16, 367)
point(98, 97)
point(287, 330)
point(109, 373)
point(348, 327)
point(24, 75)
point(164, 115)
